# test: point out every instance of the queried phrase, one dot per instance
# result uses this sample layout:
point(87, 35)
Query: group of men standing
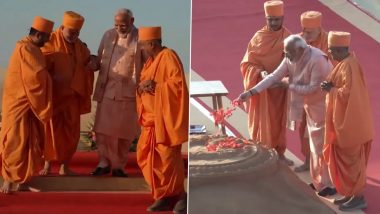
point(310, 81)
point(49, 84)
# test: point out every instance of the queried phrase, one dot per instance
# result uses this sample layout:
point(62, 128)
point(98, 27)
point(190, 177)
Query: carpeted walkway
point(75, 203)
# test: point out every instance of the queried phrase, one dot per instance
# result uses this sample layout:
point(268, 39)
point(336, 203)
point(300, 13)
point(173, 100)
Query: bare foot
point(46, 170)
point(6, 188)
point(27, 188)
point(64, 170)
point(285, 160)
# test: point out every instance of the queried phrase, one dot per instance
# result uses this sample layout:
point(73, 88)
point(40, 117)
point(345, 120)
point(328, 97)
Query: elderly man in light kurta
point(163, 109)
point(316, 36)
point(306, 67)
point(349, 125)
point(116, 123)
point(68, 61)
point(27, 105)
point(267, 111)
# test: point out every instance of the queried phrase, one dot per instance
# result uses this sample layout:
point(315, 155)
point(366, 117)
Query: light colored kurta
point(116, 85)
point(27, 105)
point(349, 127)
point(321, 44)
point(116, 122)
point(267, 111)
point(305, 77)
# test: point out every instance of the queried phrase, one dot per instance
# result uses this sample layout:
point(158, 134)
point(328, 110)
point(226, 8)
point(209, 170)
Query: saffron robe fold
point(349, 127)
point(72, 89)
point(266, 111)
point(164, 119)
point(27, 105)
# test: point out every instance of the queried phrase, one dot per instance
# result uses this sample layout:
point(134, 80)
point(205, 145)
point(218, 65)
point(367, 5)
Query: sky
point(172, 15)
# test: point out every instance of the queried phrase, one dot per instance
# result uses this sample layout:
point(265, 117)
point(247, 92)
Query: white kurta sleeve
point(276, 76)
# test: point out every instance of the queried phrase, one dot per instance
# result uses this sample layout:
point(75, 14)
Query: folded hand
point(147, 86)
point(326, 86)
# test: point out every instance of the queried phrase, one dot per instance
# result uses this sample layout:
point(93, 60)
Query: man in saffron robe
point(67, 59)
point(162, 104)
point(316, 36)
point(267, 111)
point(116, 123)
point(349, 125)
point(312, 30)
point(27, 106)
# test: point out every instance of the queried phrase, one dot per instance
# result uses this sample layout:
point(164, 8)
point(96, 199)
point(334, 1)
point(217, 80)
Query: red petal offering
point(220, 115)
point(227, 143)
point(211, 148)
point(235, 103)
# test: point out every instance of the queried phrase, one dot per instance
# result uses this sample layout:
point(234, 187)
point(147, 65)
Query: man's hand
point(326, 86)
point(263, 74)
point(147, 86)
point(244, 96)
point(93, 64)
point(285, 82)
point(152, 86)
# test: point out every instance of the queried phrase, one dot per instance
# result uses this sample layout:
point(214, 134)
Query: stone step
point(88, 183)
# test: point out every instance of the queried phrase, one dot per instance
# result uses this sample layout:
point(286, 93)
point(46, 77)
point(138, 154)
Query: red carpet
point(85, 162)
point(75, 203)
point(220, 34)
